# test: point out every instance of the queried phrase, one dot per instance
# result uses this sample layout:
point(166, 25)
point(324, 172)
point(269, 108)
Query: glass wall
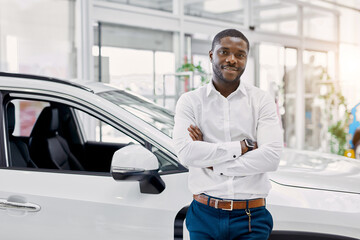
point(200, 47)
point(136, 59)
point(318, 113)
point(275, 16)
point(349, 55)
point(289, 88)
point(277, 65)
point(319, 24)
point(38, 37)
point(349, 33)
point(350, 73)
point(224, 10)
point(163, 5)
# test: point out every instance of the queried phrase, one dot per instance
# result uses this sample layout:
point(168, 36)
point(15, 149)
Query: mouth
point(229, 68)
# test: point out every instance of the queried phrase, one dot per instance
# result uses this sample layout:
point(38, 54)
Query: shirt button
point(234, 156)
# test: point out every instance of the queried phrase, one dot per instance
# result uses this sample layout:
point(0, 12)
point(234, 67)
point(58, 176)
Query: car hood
point(318, 171)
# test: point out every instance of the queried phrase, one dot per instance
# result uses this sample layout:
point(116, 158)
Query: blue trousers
point(208, 223)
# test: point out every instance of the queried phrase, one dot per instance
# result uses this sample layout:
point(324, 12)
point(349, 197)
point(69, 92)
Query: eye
point(223, 52)
point(241, 55)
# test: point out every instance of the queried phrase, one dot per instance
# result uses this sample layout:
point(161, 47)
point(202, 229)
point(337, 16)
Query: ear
point(211, 55)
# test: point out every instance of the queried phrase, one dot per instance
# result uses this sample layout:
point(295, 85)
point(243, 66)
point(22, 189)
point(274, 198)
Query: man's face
point(229, 59)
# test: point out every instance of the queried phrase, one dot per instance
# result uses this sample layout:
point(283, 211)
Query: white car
point(90, 161)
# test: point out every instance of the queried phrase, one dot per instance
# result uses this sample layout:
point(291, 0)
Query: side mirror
point(136, 163)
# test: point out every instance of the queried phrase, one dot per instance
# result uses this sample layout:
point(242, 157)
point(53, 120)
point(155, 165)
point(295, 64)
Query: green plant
point(190, 67)
point(339, 133)
point(339, 129)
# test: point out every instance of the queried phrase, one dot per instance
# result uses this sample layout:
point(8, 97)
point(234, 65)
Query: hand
point(195, 133)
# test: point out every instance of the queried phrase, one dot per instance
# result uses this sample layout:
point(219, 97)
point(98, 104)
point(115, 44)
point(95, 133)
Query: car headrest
point(47, 122)
point(11, 117)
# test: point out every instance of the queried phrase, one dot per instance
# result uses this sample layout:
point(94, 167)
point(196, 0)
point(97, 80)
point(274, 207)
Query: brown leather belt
point(229, 204)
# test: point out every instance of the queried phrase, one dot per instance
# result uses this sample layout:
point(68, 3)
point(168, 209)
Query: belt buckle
point(231, 205)
point(226, 209)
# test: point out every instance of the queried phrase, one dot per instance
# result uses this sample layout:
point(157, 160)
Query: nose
point(231, 59)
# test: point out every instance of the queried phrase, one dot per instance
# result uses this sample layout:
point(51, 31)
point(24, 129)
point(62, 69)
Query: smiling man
point(228, 134)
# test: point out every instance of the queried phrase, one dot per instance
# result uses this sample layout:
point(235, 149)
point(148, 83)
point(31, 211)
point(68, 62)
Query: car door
point(80, 206)
point(40, 203)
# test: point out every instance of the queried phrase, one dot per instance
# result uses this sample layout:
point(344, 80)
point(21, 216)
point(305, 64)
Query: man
point(229, 136)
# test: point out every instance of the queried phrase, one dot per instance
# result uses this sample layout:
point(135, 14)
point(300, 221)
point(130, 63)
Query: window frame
point(4, 158)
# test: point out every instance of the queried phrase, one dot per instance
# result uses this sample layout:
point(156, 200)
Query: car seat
point(19, 152)
point(47, 147)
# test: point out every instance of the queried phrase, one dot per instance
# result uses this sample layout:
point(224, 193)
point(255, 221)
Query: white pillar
point(300, 88)
point(84, 40)
point(179, 37)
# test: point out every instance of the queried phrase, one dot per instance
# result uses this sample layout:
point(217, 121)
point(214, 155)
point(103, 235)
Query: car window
point(155, 115)
point(96, 130)
point(26, 113)
point(77, 140)
point(108, 134)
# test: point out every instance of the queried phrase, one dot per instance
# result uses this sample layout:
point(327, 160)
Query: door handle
point(28, 207)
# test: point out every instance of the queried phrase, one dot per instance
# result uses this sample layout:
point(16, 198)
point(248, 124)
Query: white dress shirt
point(248, 112)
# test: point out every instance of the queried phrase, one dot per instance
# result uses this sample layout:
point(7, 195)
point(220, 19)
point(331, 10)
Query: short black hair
point(229, 33)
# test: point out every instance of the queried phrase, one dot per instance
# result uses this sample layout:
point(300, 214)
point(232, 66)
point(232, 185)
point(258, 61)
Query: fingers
point(195, 133)
point(192, 136)
point(196, 129)
point(198, 133)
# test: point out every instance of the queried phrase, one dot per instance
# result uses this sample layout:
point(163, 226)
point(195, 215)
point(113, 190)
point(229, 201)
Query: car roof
point(50, 79)
point(87, 85)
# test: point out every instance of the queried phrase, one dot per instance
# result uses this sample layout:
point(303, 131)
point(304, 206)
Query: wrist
point(244, 148)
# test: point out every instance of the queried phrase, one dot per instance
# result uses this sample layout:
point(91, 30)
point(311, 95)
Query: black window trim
point(4, 158)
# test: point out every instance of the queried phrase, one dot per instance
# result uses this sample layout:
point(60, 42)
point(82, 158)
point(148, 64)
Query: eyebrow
point(226, 48)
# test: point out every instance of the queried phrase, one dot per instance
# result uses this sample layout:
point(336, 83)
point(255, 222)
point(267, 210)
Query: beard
point(218, 73)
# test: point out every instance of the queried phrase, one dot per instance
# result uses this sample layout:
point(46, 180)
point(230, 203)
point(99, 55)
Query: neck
point(226, 88)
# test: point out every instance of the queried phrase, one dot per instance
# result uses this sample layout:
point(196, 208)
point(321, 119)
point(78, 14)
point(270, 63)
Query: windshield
point(147, 111)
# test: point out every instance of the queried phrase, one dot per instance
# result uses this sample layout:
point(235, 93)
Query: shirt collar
point(211, 88)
